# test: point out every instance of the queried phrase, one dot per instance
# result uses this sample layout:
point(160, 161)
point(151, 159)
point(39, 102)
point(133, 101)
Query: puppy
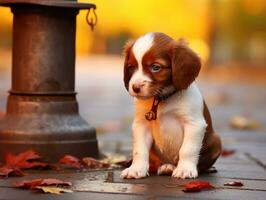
point(172, 124)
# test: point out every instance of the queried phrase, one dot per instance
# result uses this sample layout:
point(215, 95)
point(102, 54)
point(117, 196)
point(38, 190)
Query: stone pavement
point(105, 104)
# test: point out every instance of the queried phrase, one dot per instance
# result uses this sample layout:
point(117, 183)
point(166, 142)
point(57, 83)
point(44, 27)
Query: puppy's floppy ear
point(185, 65)
point(126, 51)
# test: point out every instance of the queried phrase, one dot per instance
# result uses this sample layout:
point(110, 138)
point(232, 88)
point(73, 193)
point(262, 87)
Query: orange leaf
point(71, 161)
point(197, 186)
point(42, 182)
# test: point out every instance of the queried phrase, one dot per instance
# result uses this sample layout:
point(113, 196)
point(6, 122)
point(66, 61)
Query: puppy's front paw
point(185, 170)
point(135, 171)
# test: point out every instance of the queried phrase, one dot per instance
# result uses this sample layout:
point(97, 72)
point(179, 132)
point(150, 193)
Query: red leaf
point(226, 153)
point(93, 163)
point(71, 161)
point(234, 183)
point(197, 186)
point(7, 171)
point(42, 182)
point(24, 160)
point(24, 156)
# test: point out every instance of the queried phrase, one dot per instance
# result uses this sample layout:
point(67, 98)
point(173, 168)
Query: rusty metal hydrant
point(42, 111)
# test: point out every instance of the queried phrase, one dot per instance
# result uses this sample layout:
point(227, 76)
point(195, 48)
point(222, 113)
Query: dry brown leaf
point(241, 122)
point(53, 190)
point(234, 183)
point(41, 182)
point(93, 163)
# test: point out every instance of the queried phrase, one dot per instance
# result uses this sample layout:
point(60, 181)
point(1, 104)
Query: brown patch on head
point(159, 55)
point(180, 65)
point(185, 65)
point(130, 63)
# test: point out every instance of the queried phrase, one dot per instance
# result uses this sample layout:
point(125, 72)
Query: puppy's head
point(157, 65)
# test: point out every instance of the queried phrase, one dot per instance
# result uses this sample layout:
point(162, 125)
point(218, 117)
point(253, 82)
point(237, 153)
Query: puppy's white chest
point(167, 132)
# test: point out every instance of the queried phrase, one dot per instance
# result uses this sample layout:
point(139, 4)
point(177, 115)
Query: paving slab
point(218, 182)
point(107, 106)
point(15, 194)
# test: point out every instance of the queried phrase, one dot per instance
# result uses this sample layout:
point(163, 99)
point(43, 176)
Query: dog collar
point(152, 114)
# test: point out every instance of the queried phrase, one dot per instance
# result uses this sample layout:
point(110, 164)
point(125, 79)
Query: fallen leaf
point(93, 163)
point(197, 186)
point(41, 182)
point(24, 160)
point(8, 171)
point(226, 152)
point(71, 161)
point(234, 183)
point(53, 190)
point(241, 122)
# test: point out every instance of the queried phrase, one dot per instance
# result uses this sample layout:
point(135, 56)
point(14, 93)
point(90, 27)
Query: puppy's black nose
point(136, 88)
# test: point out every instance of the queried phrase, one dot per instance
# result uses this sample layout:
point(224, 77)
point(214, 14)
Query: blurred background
point(230, 37)
point(221, 31)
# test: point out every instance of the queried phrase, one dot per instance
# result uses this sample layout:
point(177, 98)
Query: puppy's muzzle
point(137, 87)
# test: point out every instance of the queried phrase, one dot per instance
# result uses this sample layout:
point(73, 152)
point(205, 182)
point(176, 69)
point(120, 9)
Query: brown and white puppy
point(182, 136)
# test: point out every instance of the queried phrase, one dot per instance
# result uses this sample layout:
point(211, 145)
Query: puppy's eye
point(155, 68)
